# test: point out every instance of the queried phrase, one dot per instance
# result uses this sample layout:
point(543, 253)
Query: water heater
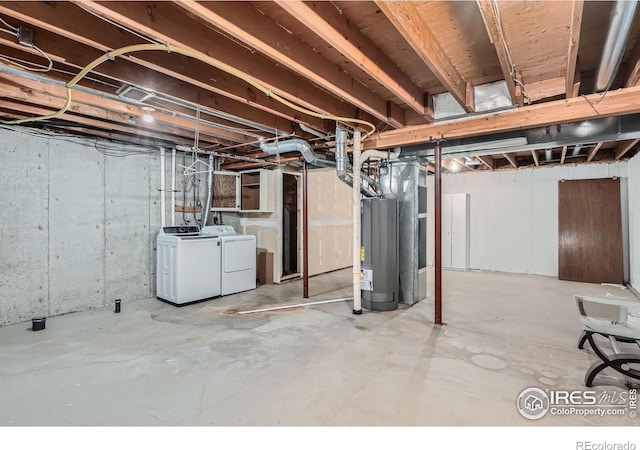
point(379, 254)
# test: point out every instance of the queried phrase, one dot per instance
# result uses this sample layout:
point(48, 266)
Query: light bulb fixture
point(148, 118)
point(454, 166)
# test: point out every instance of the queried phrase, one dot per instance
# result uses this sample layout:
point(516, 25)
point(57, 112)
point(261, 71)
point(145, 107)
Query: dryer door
point(238, 264)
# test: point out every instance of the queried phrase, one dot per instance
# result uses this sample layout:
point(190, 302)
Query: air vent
point(133, 93)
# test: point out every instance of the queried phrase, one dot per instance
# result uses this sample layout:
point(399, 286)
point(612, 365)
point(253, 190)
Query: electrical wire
point(122, 27)
point(6, 24)
point(201, 57)
point(35, 67)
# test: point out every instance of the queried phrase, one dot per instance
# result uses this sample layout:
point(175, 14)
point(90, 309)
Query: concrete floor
point(203, 364)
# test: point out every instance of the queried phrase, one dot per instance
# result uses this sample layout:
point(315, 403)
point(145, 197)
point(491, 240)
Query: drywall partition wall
point(330, 222)
point(514, 214)
point(633, 171)
point(78, 228)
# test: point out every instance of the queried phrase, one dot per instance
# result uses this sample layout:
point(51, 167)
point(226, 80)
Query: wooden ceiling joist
point(593, 151)
point(487, 161)
point(335, 29)
point(623, 147)
point(406, 18)
point(53, 96)
point(163, 22)
point(619, 102)
point(512, 160)
point(75, 45)
point(536, 160)
point(574, 43)
point(276, 43)
point(492, 24)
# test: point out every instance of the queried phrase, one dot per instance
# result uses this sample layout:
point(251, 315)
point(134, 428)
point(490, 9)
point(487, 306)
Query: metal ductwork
point(302, 146)
point(622, 15)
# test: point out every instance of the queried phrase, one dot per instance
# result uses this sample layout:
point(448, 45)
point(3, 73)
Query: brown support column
point(438, 234)
point(305, 235)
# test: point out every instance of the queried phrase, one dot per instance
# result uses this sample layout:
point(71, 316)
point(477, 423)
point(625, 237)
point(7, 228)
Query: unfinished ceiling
point(393, 64)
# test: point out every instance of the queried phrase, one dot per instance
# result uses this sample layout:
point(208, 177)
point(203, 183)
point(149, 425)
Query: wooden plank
point(623, 147)
point(511, 159)
point(487, 161)
point(564, 154)
point(188, 209)
point(574, 44)
point(74, 32)
point(633, 67)
point(414, 29)
point(50, 95)
point(544, 89)
point(162, 21)
point(536, 160)
point(276, 43)
point(493, 26)
point(618, 102)
point(123, 71)
point(335, 29)
point(593, 151)
point(170, 137)
point(590, 231)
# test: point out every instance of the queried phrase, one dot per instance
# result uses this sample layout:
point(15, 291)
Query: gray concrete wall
point(77, 228)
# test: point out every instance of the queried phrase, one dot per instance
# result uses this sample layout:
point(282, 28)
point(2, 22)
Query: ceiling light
point(148, 118)
point(454, 166)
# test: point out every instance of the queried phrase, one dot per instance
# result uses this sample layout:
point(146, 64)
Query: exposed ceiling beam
point(563, 156)
point(618, 102)
point(623, 147)
point(121, 71)
point(493, 26)
point(406, 18)
point(335, 29)
point(52, 95)
point(487, 161)
point(163, 22)
point(74, 44)
point(166, 136)
point(540, 90)
point(574, 44)
point(536, 161)
point(593, 151)
point(511, 159)
point(276, 43)
point(633, 67)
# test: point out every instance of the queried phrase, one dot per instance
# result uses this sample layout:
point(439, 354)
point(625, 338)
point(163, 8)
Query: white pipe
point(275, 308)
point(173, 187)
point(357, 148)
point(376, 154)
point(209, 191)
point(163, 191)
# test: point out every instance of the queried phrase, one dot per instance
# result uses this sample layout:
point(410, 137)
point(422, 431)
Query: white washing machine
point(188, 265)
point(238, 259)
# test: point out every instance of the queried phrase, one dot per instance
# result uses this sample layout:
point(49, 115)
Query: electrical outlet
point(25, 36)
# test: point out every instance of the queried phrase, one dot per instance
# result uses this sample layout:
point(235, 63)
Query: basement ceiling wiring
point(16, 62)
point(193, 54)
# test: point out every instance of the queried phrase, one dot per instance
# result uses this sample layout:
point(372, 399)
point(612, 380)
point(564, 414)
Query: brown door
point(590, 231)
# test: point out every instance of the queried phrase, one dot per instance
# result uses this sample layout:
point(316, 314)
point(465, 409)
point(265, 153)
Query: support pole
point(305, 234)
point(438, 235)
point(163, 190)
point(357, 148)
point(173, 187)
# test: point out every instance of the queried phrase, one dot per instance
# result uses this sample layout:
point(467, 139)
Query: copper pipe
point(305, 234)
point(438, 235)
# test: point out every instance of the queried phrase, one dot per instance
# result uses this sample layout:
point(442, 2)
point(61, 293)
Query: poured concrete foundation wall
point(514, 214)
point(77, 228)
point(633, 171)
